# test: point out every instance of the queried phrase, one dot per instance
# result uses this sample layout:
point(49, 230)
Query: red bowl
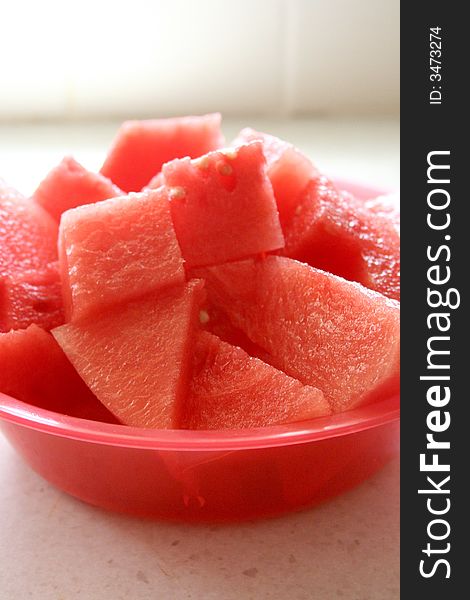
point(204, 475)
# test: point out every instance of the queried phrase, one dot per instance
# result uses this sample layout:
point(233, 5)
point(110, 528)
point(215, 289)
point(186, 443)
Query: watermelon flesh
point(31, 297)
point(70, 185)
point(142, 147)
point(386, 206)
point(29, 279)
point(326, 332)
point(231, 390)
point(136, 357)
point(34, 369)
point(337, 233)
point(156, 181)
point(288, 169)
point(214, 320)
point(28, 234)
point(117, 250)
point(222, 206)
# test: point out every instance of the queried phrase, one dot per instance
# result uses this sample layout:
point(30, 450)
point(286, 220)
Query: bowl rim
point(356, 420)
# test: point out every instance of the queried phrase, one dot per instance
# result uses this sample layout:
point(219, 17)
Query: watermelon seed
point(177, 192)
point(204, 317)
point(224, 169)
point(202, 163)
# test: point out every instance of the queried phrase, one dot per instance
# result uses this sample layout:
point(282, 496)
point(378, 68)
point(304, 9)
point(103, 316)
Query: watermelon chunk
point(288, 169)
point(337, 233)
point(142, 147)
point(215, 321)
point(117, 250)
point(386, 206)
point(232, 390)
point(318, 328)
point(31, 297)
point(34, 369)
point(28, 234)
point(69, 185)
point(223, 206)
point(136, 357)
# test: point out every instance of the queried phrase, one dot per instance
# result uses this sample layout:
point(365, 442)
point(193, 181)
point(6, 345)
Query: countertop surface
point(53, 547)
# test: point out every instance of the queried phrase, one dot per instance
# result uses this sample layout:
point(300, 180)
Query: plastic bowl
point(200, 475)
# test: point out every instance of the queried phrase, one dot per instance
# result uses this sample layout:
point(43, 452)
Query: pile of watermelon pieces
point(198, 285)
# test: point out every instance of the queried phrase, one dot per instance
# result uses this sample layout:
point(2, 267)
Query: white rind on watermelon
point(136, 357)
point(140, 148)
point(117, 250)
point(69, 185)
point(222, 205)
point(231, 390)
point(325, 331)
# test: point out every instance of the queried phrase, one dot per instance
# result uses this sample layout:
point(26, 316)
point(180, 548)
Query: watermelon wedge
point(142, 147)
point(288, 169)
point(223, 206)
point(337, 233)
point(214, 320)
point(232, 390)
point(28, 234)
point(70, 185)
point(31, 297)
point(318, 328)
point(117, 250)
point(34, 369)
point(136, 357)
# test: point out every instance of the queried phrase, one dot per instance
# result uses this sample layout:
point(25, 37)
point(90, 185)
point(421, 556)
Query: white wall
point(139, 57)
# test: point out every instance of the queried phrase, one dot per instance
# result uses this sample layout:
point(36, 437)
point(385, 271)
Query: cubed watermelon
point(386, 206)
point(223, 206)
point(69, 185)
point(117, 250)
point(140, 148)
point(28, 234)
point(337, 233)
point(29, 290)
point(215, 321)
point(232, 390)
point(34, 369)
point(288, 169)
point(321, 329)
point(136, 357)
point(31, 297)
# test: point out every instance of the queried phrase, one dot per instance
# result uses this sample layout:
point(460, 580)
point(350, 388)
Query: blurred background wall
point(99, 59)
